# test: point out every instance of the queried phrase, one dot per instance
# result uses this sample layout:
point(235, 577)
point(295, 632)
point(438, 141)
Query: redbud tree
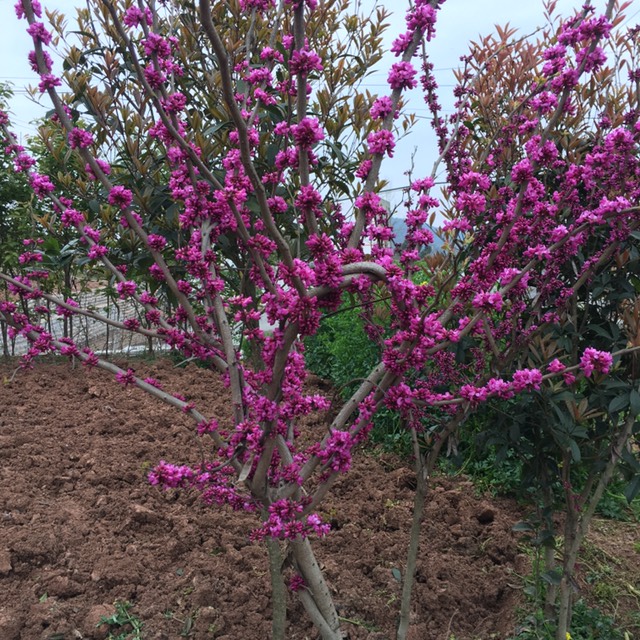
point(225, 160)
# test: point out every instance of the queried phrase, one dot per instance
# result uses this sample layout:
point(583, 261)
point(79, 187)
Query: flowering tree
point(234, 139)
point(572, 431)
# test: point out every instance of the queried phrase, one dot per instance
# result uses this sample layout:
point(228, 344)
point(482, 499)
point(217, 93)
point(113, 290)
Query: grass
point(588, 623)
point(123, 625)
point(609, 604)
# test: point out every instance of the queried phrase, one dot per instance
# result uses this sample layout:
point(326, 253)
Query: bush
point(342, 353)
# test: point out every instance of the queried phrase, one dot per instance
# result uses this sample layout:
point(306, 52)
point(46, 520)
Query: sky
point(459, 22)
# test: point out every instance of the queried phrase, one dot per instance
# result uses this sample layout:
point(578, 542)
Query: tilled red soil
point(81, 528)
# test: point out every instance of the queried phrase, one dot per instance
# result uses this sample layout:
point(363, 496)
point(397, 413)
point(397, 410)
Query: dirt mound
point(81, 528)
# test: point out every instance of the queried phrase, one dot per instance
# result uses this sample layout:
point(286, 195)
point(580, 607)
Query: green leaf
point(575, 451)
point(601, 331)
point(552, 577)
point(563, 395)
point(619, 403)
point(395, 572)
point(522, 526)
point(632, 489)
point(51, 245)
point(631, 459)
point(634, 401)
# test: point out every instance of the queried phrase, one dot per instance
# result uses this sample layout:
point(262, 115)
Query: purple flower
point(488, 301)
point(155, 43)
point(29, 257)
point(527, 379)
point(97, 251)
point(402, 76)
point(126, 378)
point(500, 388)
point(297, 583)
point(306, 133)
point(156, 242)
point(80, 139)
point(120, 197)
point(422, 18)
point(175, 103)
point(363, 170)
point(134, 17)
point(555, 366)
point(475, 395)
point(126, 288)
point(260, 5)
point(48, 81)
point(39, 33)
point(381, 108)
point(522, 171)
point(19, 9)
point(71, 218)
point(304, 62)
point(401, 43)
point(381, 142)
point(308, 199)
point(594, 360)
point(102, 164)
point(41, 185)
point(154, 77)
point(23, 162)
point(33, 61)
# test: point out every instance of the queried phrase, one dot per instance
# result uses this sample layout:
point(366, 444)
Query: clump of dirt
point(82, 529)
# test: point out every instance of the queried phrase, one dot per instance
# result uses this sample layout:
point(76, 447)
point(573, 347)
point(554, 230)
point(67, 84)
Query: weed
point(123, 625)
point(587, 623)
point(614, 505)
point(490, 473)
point(357, 622)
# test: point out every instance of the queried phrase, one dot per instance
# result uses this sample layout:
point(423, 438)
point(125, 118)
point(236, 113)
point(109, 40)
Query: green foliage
point(15, 223)
point(614, 504)
point(123, 623)
point(498, 476)
point(342, 352)
point(587, 623)
point(504, 468)
point(389, 433)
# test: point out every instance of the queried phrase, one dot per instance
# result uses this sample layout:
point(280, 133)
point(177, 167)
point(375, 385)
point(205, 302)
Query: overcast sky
point(459, 22)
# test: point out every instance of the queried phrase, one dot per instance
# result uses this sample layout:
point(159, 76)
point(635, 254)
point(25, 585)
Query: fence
point(87, 332)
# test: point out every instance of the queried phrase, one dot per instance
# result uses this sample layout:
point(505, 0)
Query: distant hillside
point(400, 229)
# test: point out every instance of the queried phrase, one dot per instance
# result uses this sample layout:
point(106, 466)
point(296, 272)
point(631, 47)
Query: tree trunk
point(578, 522)
point(278, 591)
point(316, 598)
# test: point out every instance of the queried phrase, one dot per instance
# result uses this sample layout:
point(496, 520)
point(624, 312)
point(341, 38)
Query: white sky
point(459, 22)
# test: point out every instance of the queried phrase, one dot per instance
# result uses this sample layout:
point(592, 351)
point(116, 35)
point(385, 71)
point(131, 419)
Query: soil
point(81, 529)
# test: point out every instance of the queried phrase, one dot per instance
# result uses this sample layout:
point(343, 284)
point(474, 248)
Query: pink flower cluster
point(286, 523)
point(80, 139)
point(402, 76)
point(596, 361)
